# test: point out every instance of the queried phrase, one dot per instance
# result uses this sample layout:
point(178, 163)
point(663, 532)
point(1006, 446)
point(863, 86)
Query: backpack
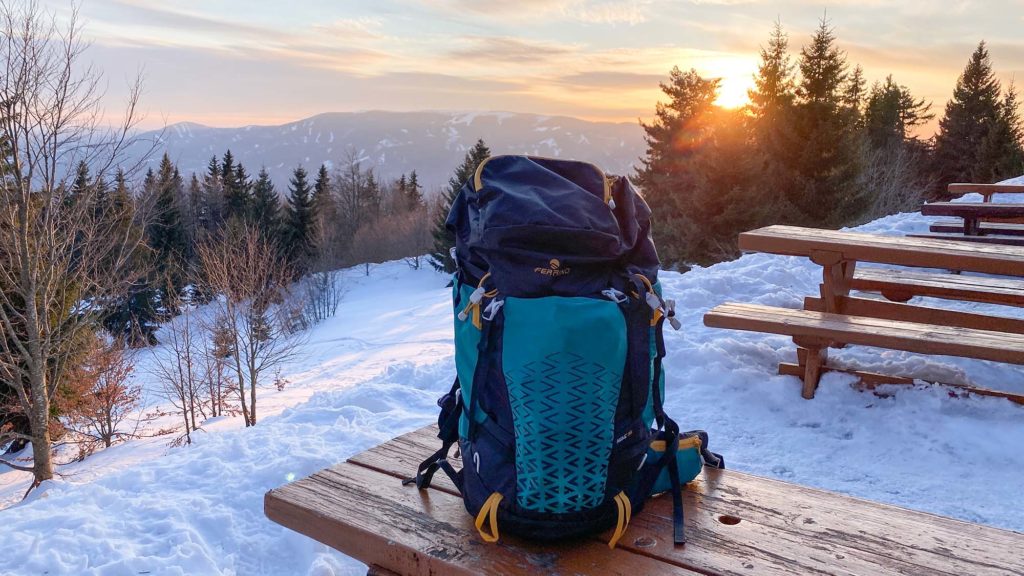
point(557, 403)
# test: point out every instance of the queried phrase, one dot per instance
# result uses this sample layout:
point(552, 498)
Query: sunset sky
point(238, 62)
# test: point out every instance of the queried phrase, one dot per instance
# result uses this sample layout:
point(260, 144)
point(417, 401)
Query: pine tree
point(774, 85)
point(1002, 151)
point(198, 208)
point(827, 162)
point(444, 240)
point(235, 204)
point(213, 196)
point(326, 218)
point(772, 111)
point(166, 234)
point(891, 113)
point(299, 226)
point(970, 116)
point(696, 173)
point(266, 207)
point(237, 189)
point(413, 192)
point(854, 94)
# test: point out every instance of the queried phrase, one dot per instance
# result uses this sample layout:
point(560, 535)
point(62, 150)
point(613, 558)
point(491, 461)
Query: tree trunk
point(42, 464)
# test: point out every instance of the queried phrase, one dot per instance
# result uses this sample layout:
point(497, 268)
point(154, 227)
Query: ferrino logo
point(554, 269)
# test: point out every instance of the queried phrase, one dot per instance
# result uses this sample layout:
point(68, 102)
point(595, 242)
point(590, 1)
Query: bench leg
point(812, 359)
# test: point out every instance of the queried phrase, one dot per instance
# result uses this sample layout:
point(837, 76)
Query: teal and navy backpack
point(557, 403)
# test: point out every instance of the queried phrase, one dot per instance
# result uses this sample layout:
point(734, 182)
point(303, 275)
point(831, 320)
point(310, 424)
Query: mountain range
point(432, 143)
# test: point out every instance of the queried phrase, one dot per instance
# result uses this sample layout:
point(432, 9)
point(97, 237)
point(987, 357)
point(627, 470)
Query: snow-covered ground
point(375, 370)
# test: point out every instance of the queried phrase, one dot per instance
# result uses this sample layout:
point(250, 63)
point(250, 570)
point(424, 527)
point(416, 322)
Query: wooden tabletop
point(961, 188)
point(973, 209)
point(736, 524)
point(895, 250)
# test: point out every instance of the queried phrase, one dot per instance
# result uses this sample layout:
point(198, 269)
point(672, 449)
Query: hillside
point(432, 143)
point(375, 370)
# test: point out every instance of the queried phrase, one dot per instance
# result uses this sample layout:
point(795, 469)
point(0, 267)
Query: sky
point(241, 62)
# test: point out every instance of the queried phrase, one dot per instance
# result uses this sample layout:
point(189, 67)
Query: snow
point(375, 370)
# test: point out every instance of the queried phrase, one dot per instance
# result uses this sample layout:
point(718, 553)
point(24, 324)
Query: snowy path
point(376, 370)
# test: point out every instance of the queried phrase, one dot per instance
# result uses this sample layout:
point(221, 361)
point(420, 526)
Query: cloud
point(508, 50)
point(611, 80)
point(586, 11)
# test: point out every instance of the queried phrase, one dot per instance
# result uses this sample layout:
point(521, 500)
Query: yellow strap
point(625, 515)
point(490, 508)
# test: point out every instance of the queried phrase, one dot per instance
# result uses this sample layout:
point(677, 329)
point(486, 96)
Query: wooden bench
point(815, 331)
point(984, 228)
point(737, 524)
point(902, 285)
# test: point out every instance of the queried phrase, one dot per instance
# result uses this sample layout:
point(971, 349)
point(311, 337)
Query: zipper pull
point(670, 313)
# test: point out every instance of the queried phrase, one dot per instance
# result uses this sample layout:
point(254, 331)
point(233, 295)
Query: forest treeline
point(815, 147)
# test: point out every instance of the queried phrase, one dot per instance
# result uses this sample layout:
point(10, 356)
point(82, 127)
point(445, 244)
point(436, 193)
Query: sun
point(737, 76)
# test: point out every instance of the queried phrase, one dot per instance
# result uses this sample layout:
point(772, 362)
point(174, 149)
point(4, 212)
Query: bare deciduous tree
point(178, 365)
point(254, 307)
point(60, 259)
point(106, 398)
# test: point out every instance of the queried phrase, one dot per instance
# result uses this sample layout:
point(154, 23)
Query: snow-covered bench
point(736, 524)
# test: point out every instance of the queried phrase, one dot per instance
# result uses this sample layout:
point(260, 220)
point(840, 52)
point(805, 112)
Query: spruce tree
point(413, 192)
point(827, 162)
point(234, 205)
point(325, 216)
point(774, 84)
point(239, 199)
point(695, 173)
point(1002, 151)
point(133, 317)
point(299, 227)
point(166, 234)
point(964, 129)
point(772, 119)
point(265, 205)
point(213, 196)
point(891, 113)
point(444, 240)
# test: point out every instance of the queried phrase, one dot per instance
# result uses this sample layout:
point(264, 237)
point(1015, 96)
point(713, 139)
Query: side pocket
point(467, 338)
point(688, 461)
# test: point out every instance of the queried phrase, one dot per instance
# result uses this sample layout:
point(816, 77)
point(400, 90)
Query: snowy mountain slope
point(432, 143)
point(375, 370)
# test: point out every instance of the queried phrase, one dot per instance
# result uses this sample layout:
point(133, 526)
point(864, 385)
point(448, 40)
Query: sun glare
point(737, 75)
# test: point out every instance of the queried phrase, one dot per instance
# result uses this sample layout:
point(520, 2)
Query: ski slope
point(375, 370)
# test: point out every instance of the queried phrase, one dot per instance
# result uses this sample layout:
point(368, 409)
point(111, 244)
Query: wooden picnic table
point(839, 251)
point(973, 213)
point(737, 524)
point(986, 190)
point(837, 318)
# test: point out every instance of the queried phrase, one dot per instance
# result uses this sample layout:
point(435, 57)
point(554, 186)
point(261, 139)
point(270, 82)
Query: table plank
point(782, 519)
point(895, 250)
point(974, 209)
point(373, 518)
point(961, 188)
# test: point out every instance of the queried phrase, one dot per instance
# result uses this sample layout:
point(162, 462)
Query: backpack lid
point(544, 226)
